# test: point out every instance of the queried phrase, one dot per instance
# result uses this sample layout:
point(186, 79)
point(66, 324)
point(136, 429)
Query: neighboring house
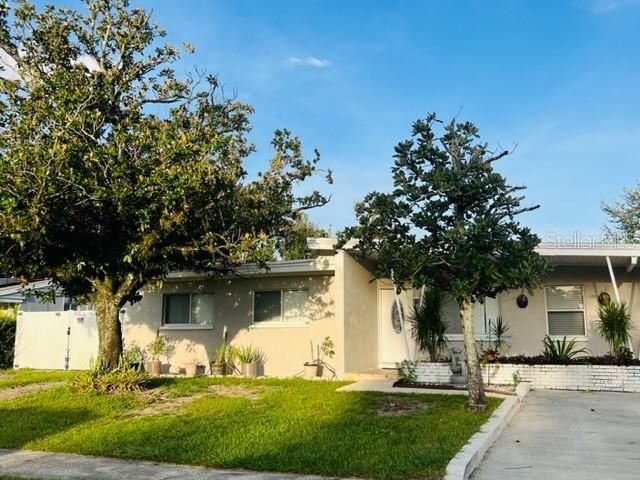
point(289, 310)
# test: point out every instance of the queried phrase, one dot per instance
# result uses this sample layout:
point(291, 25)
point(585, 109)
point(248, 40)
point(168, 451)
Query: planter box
point(605, 378)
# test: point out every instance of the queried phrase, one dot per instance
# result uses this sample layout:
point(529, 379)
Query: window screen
point(176, 309)
point(565, 310)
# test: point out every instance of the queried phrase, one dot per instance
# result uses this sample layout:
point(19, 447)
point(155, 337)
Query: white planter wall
point(609, 378)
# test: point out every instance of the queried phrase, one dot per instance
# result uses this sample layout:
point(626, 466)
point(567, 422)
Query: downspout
point(616, 293)
point(401, 315)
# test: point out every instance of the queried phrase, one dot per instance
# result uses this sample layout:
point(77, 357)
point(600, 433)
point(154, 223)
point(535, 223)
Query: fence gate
point(66, 340)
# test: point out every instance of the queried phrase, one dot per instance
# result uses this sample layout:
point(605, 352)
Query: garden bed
point(499, 389)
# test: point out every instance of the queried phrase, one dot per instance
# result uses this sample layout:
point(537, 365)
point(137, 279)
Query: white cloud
point(8, 66)
point(88, 61)
point(309, 62)
point(607, 6)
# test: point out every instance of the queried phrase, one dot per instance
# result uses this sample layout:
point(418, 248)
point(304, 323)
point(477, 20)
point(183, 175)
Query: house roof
point(620, 255)
point(313, 266)
point(14, 293)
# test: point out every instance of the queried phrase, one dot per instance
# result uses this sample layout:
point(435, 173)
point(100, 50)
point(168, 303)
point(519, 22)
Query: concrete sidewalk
point(47, 465)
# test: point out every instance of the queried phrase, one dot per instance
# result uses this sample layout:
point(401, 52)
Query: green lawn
point(274, 425)
point(17, 378)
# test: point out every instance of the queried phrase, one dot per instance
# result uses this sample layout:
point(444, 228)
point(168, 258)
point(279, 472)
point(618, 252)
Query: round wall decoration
point(522, 300)
point(604, 298)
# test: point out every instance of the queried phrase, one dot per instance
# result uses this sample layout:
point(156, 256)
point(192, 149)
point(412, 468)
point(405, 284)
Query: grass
point(18, 378)
point(268, 425)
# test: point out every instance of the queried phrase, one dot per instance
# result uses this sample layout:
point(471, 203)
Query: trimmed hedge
point(7, 338)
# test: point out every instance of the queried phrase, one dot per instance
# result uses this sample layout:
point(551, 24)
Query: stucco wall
point(286, 348)
point(528, 325)
point(356, 297)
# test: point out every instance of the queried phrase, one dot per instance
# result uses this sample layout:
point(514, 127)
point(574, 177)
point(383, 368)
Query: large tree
point(115, 171)
point(624, 217)
point(449, 224)
point(294, 244)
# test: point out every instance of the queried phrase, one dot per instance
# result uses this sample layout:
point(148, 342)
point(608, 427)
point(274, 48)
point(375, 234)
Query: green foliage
point(498, 331)
point(561, 351)
point(133, 355)
point(450, 223)
point(122, 379)
point(117, 171)
point(226, 354)
point(614, 324)
point(249, 354)
point(624, 217)
point(407, 371)
point(427, 324)
point(294, 244)
point(158, 347)
point(7, 336)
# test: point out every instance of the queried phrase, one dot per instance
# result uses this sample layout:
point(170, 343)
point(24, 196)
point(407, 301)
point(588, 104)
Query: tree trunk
point(106, 304)
point(477, 399)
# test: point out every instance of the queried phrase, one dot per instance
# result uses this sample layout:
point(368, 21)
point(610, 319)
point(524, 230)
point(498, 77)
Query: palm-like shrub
point(427, 324)
point(561, 351)
point(614, 324)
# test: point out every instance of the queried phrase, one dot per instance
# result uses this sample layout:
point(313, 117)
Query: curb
point(469, 457)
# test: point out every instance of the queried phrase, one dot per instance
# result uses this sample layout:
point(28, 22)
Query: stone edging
point(469, 457)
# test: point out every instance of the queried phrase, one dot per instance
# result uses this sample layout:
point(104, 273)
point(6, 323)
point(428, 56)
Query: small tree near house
point(114, 171)
point(449, 224)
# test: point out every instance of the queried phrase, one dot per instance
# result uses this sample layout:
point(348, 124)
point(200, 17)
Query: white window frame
point(479, 337)
point(276, 323)
point(184, 326)
point(577, 338)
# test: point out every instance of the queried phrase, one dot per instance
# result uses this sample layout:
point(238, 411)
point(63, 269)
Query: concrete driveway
point(568, 435)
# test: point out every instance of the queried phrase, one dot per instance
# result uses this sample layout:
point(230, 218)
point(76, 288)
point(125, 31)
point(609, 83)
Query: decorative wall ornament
point(604, 298)
point(522, 300)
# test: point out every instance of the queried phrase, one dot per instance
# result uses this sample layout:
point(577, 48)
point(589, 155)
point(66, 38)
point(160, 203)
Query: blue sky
point(558, 78)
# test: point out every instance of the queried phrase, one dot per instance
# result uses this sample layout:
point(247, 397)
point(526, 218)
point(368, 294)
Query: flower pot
point(154, 367)
point(218, 369)
point(250, 369)
point(490, 357)
point(191, 369)
point(311, 370)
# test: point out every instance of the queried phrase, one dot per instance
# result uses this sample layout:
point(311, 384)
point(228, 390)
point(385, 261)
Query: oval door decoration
point(396, 321)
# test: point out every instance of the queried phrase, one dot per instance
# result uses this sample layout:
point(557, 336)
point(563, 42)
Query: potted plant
point(315, 368)
point(223, 362)
point(157, 349)
point(249, 357)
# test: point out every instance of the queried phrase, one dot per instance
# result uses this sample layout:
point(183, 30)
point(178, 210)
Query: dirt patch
point(392, 407)
point(158, 402)
point(236, 391)
point(9, 393)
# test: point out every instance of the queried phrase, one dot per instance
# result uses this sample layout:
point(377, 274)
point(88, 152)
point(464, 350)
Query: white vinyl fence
point(62, 340)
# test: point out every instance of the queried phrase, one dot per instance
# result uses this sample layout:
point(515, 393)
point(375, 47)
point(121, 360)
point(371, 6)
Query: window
point(483, 314)
point(565, 310)
point(188, 309)
point(283, 306)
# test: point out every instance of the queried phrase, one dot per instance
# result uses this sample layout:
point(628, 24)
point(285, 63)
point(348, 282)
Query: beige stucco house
point(289, 310)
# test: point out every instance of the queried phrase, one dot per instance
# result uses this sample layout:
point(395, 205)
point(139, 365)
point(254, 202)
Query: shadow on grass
point(22, 425)
point(301, 430)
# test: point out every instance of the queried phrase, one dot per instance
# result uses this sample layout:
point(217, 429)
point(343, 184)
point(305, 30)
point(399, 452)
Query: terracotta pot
point(490, 356)
point(250, 369)
point(311, 370)
point(155, 367)
point(191, 369)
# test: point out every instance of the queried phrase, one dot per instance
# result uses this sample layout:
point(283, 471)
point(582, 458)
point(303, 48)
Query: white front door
point(392, 347)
